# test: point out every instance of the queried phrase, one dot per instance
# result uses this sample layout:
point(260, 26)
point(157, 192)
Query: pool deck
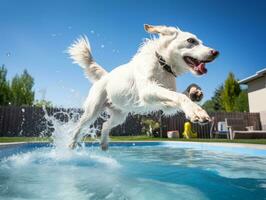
point(12, 143)
point(224, 144)
point(8, 144)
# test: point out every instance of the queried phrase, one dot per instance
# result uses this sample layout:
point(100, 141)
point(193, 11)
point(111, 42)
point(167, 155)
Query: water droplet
point(23, 110)
point(102, 46)
point(92, 31)
point(69, 27)
point(8, 54)
point(53, 35)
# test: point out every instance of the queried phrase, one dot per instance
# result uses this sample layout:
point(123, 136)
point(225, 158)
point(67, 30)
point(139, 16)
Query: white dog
point(146, 83)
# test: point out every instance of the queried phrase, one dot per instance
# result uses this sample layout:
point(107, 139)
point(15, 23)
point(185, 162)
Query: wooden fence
point(177, 122)
point(30, 121)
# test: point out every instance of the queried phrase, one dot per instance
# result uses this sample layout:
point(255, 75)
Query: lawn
point(136, 138)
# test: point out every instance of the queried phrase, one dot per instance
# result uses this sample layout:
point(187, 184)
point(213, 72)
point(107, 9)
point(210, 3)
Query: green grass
point(137, 138)
point(23, 139)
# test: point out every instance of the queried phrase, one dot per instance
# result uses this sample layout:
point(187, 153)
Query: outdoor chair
point(235, 124)
point(238, 129)
point(219, 129)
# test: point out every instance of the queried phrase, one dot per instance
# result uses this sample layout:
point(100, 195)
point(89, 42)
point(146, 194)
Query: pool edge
point(224, 144)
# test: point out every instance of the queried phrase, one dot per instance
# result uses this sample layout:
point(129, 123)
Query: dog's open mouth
point(197, 65)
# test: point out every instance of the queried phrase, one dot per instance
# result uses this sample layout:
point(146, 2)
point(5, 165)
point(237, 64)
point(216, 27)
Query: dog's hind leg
point(116, 117)
point(94, 105)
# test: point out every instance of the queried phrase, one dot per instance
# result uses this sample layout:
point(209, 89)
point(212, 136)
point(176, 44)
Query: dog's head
point(182, 50)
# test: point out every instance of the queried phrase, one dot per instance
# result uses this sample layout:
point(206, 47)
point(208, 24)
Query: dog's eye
point(192, 41)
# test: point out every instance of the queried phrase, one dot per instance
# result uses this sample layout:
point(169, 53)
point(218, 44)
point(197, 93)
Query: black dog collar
point(163, 63)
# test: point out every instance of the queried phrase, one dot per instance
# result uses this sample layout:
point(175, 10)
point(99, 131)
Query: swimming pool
point(141, 170)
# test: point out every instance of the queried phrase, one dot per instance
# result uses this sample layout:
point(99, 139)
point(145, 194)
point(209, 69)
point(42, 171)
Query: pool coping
point(224, 144)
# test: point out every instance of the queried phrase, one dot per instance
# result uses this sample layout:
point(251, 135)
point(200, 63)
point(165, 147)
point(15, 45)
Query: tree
point(230, 93)
point(228, 97)
point(241, 102)
point(43, 102)
point(217, 99)
point(208, 106)
point(5, 94)
point(215, 103)
point(21, 87)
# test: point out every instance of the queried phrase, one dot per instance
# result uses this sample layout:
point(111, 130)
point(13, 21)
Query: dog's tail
point(80, 52)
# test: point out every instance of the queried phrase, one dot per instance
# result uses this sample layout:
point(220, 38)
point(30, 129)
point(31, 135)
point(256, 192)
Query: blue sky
point(34, 35)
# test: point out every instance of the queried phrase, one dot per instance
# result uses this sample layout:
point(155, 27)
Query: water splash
point(23, 121)
point(63, 124)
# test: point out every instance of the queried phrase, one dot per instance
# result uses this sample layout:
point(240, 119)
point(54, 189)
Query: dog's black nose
point(214, 53)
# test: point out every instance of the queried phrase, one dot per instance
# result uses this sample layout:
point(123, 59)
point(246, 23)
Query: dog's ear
point(163, 30)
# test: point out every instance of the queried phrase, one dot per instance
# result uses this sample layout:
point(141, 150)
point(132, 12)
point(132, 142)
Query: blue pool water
point(159, 170)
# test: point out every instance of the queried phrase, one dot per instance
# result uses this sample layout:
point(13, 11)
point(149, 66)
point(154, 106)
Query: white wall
point(263, 119)
point(257, 98)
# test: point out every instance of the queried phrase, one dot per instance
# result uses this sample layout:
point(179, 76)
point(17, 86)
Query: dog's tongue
point(201, 68)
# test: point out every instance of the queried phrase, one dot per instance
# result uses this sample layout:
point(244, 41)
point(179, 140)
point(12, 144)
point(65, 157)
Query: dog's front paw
point(196, 114)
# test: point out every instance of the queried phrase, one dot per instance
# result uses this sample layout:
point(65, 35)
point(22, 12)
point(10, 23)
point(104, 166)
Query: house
point(257, 94)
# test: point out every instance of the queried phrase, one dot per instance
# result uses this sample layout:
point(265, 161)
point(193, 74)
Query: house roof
point(258, 74)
